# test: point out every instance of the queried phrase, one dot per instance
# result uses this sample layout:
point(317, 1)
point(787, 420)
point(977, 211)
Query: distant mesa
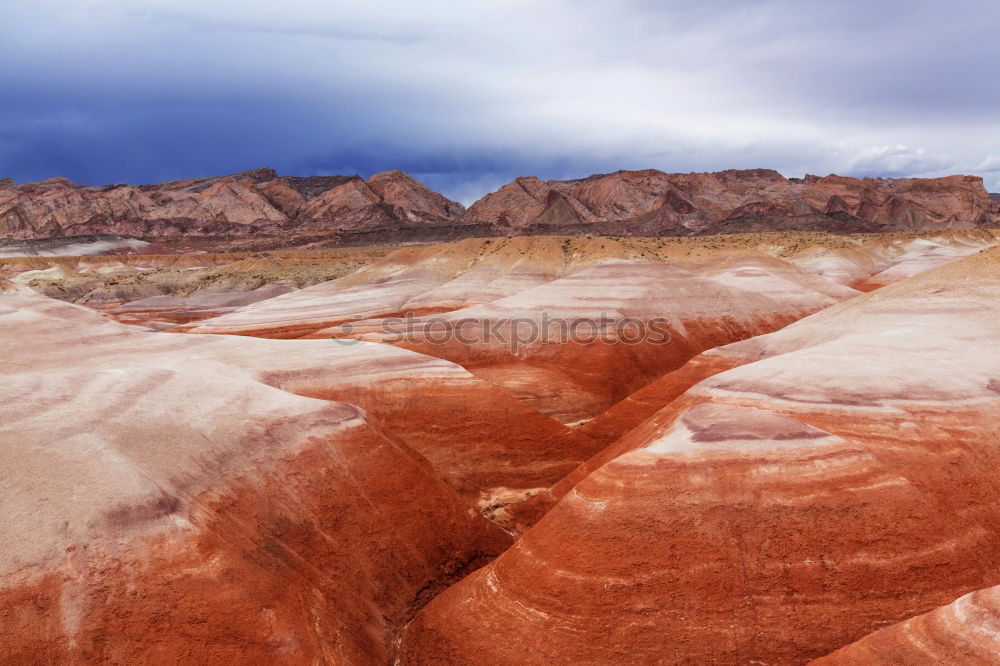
point(393, 207)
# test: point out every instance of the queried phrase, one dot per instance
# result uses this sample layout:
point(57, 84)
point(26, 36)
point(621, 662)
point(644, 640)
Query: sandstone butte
point(391, 206)
point(753, 490)
point(821, 482)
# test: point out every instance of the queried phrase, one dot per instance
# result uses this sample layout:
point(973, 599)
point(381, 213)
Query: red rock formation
point(489, 299)
point(775, 511)
point(487, 446)
point(966, 632)
point(651, 202)
point(411, 198)
point(166, 502)
point(675, 313)
point(225, 499)
point(253, 202)
point(393, 206)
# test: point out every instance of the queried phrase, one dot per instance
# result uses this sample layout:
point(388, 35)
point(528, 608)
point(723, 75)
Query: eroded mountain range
point(393, 207)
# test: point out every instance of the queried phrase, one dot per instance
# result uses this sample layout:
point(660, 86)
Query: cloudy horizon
point(467, 97)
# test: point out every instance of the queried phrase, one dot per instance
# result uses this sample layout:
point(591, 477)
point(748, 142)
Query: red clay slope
point(839, 478)
point(966, 632)
point(469, 302)
point(165, 502)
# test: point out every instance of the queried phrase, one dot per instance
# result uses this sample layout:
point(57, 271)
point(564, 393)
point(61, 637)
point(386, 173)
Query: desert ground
point(374, 455)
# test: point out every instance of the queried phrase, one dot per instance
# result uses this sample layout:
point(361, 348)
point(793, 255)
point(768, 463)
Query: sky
point(466, 95)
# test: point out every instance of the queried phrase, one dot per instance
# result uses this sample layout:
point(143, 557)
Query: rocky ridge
point(252, 203)
point(653, 203)
point(391, 206)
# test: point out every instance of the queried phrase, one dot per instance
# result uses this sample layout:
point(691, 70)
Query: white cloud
point(895, 160)
point(678, 85)
point(990, 164)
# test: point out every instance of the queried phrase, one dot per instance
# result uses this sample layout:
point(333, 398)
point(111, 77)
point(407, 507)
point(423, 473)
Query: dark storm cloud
point(467, 96)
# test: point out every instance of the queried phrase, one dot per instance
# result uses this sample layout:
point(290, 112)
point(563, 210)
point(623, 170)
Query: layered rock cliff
point(249, 203)
point(653, 203)
point(392, 206)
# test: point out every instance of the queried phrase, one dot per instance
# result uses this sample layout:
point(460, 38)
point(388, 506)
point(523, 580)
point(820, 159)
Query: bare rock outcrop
point(651, 203)
point(392, 206)
point(250, 203)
